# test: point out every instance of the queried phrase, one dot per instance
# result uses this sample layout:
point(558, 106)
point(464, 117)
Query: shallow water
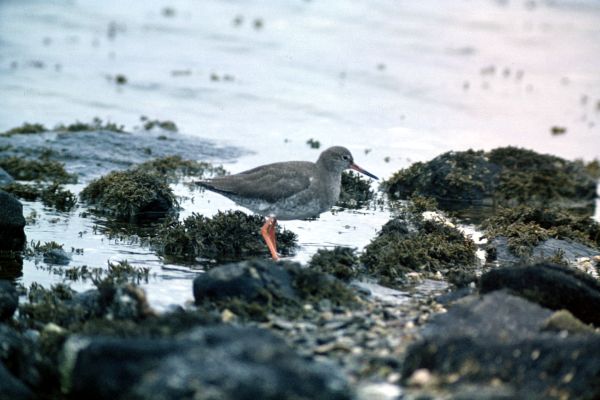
point(396, 82)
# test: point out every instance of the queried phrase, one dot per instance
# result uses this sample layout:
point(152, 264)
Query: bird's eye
point(346, 157)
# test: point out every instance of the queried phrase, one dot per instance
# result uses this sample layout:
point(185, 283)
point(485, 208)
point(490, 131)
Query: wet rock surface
point(552, 286)
point(236, 363)
point(502, 339)
point(91, 153)
point(5, 177)
point(506, 175)
point(12, 223)
point(9, 300)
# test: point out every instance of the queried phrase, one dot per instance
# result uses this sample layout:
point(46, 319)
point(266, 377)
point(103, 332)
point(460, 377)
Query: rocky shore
point(423, 311)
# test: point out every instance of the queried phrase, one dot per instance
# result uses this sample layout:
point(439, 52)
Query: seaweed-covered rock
point(37, 170)
point(341, 262)
point(227, 236)
point(12, 223)
point(9, 300)
point(502, 339)
point(254, 288)
point(355, 192)
point(551, 286)
point(411, 243)
point(506, 175)
point(211, 363)
point(52, 195)
point(251, 281)
point(130, 195)
point(523, 233)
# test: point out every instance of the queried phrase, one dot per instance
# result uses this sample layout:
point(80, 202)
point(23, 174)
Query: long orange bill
point(362, 171)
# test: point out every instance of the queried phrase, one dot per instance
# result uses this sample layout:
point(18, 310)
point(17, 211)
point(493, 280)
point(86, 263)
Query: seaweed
point(227, 236)
point(340, 262)
point(130, 195)
point(174, 166)
point(411, 243)
point(36, 170)
point(52, 195)
point(166, 125)
point(504, 176)
point(525, 227)
point(356, 191)
point(96, 125)
point(25, 129)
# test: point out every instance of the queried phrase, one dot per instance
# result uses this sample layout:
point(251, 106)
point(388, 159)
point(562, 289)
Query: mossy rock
point(253, 289)
point(36, 170)
point(525, 227)
point(227, 236)
point(410, 243)
point(505, 176)
point(356, 191)
point(25, 129)
point(341, 262)
point(130, 195)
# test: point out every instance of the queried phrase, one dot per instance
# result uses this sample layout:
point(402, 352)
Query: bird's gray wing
point(270, 182)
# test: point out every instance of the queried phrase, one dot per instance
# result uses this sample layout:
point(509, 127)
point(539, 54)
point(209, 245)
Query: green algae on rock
point(505, 176)
point(96, 125)
point(36, 170)
point(340, 262)
point(231, 235)
point(356, 191)
point(174, 166)
point(525, 227)
point(52, 196)
point(130, 195)
point(410, 243)
point(25, 129)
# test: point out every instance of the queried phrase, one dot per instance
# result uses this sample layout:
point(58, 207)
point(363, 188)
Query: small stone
point(422, 378)
point(227, 316)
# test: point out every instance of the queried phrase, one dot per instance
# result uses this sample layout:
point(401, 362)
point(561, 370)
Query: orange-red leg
point(268, 233)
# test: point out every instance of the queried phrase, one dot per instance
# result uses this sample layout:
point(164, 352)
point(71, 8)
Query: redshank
point(287, 190)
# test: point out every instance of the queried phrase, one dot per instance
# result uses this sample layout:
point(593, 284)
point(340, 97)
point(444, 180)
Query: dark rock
point(257, 280)
point(11, 388)
point(18, 356)
point(552, 286)
point(502, 338)
point(11, 264)
point(211, 363)
point(12, 223)
point(5, 177)
point(9, 300)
